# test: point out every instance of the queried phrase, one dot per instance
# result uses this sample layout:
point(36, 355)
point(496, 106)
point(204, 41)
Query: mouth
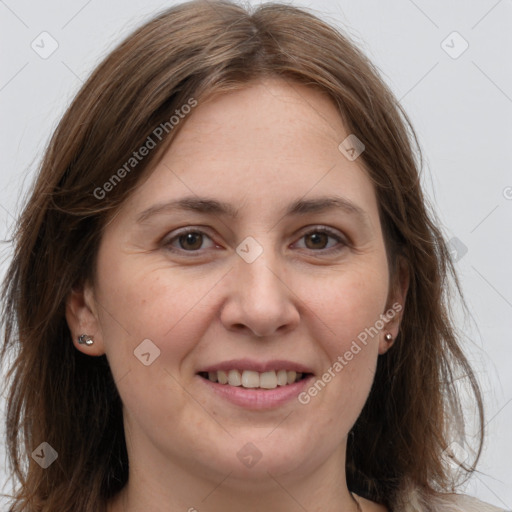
point(256, 385)
point(251, 379)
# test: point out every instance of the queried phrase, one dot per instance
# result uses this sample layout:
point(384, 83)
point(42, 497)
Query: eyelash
point(327, 231)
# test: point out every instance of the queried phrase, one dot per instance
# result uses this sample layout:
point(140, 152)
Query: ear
point(395, 305)
point(82, 318)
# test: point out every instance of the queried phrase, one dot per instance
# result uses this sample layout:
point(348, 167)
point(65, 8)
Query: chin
point(255, 462)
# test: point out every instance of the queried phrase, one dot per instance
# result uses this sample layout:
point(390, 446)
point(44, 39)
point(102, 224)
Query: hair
point(193, 51)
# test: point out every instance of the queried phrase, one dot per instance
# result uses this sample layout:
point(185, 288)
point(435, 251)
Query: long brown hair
point(61, 396)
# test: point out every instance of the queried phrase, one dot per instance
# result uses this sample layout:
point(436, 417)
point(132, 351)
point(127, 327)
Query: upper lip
point(257, 366)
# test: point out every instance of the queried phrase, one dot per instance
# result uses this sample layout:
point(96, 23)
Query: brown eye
point(191, 240)
point(188, 241)
point(317, 240)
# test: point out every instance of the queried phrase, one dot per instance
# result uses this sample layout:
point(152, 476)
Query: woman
point(257, 368)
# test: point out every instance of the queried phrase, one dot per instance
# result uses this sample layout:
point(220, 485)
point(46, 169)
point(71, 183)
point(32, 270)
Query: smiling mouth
point(255, 380)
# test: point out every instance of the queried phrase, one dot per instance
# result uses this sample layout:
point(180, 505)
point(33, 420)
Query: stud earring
point(388, 337)
point(85, 339)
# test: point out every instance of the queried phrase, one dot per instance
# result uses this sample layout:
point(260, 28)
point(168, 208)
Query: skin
point(259, 149)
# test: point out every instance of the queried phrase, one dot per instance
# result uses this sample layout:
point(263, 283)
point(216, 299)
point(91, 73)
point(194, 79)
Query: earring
point(85, 339)
point(388, 337)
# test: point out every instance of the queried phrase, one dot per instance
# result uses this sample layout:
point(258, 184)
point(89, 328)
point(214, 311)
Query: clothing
point(448, 503)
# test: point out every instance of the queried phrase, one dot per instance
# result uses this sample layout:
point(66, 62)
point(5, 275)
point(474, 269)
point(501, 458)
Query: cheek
point(141, 302)
point(166, 307)
point(350, 309)
point(352, 303)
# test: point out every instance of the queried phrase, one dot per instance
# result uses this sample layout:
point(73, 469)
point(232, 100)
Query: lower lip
point(258, 399)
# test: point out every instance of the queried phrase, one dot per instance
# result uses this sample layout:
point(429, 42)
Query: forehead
point(263, 147)
point(264, 118)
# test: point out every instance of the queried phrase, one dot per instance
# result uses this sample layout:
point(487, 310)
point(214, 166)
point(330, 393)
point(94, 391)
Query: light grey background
point(461, 108)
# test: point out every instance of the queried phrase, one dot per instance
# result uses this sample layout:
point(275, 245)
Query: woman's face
point(274, 276)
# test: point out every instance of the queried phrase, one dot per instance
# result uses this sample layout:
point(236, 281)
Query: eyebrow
point(214, 207)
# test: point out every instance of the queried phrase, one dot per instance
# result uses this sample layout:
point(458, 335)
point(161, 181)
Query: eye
point(189, 240)
point(317, 238)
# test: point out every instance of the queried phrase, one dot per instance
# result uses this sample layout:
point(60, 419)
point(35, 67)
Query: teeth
point(234, 378)
point(282, 377)
point(251, 379)
point(268, 380)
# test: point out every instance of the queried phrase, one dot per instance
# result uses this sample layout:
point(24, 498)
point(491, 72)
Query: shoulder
point(464, 503)
point(413, 498)
point(450, 503)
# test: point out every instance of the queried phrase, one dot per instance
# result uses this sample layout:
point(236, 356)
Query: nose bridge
point(259, 297)
point(258, 277)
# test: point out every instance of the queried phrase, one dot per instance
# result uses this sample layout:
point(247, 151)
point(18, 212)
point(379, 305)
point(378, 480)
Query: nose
point(260, 298)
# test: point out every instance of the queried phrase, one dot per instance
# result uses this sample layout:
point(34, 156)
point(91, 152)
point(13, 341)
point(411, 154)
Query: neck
point(172, 487)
